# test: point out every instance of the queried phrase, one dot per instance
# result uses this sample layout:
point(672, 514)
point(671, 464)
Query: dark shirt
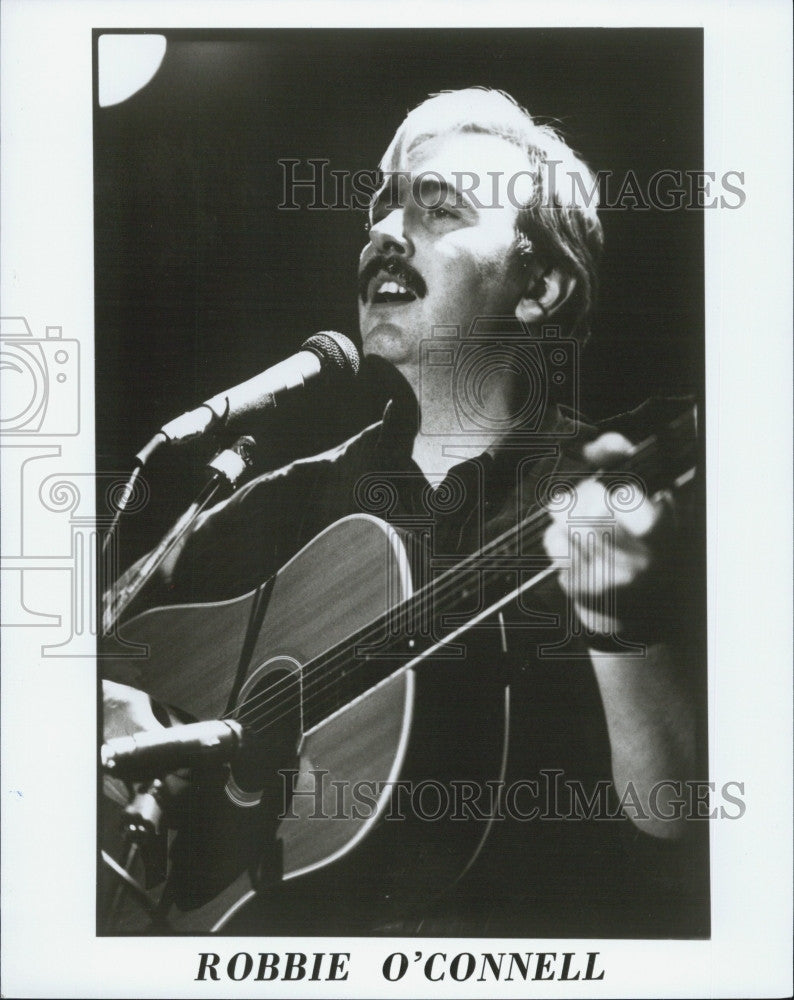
point(543, 876)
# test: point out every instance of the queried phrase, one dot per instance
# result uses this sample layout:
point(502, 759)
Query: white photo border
point(49, 704)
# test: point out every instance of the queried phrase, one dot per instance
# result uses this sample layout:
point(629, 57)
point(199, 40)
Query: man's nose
point(388, 234)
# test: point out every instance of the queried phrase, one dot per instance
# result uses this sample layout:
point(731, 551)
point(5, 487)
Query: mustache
point(398, 269)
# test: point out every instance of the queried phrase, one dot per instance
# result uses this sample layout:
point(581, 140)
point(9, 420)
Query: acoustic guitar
point(351, 686)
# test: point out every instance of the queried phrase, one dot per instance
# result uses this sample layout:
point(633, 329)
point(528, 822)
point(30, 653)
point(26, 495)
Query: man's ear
point(546, 293)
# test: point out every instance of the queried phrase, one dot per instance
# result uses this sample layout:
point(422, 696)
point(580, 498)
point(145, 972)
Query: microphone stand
point(143, 815)
point(225, 471)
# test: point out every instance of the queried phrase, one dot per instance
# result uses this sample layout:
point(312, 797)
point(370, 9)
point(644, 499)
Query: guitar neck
point(439, 612)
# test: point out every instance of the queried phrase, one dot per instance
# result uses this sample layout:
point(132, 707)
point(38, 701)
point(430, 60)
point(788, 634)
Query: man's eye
point(441, 212)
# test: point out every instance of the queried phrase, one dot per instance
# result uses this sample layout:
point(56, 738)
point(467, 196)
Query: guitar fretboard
point(462, 596)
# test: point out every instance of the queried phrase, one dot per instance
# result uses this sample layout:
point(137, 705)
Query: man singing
point(475, 292)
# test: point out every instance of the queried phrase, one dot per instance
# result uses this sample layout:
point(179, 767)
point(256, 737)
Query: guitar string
point(342, 652)
point(328, 659)
point(326, 685)
point(432, 592)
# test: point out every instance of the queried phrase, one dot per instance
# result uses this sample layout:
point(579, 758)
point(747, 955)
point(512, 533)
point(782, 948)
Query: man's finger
point(607, 448)
point(644, 519)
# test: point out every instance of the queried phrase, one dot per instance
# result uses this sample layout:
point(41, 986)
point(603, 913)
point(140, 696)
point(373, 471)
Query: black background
point(201, 281)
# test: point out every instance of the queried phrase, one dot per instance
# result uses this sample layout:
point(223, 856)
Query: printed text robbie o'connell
point(435, 967)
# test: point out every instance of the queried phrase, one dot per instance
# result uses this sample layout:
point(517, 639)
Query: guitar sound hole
point(270, 712)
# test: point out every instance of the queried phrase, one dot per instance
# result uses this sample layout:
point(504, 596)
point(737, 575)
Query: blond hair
point(564, 229)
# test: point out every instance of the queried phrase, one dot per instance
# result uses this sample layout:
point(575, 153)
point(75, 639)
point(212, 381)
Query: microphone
point(325, 354)
point(161, 751)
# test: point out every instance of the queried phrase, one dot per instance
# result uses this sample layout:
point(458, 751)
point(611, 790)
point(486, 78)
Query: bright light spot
point(126, 64)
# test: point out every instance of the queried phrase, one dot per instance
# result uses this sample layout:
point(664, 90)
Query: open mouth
point(388, 290)
point(389, 281)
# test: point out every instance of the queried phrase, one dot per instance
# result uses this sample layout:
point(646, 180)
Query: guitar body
point(355, 791)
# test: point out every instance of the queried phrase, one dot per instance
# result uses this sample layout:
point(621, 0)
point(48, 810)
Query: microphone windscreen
point(335, 350)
